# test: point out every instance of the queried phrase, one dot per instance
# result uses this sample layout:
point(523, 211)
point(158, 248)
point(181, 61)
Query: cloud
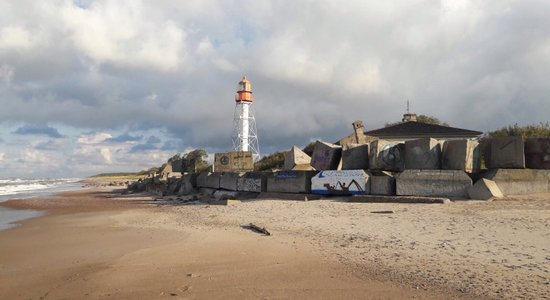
point(52, 145)
point(2, 155)
point(94, 138)
point(38, 130)
point(126, 137)
point(150, 144)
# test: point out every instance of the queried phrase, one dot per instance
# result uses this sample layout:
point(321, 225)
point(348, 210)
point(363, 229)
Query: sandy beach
point(99, 244)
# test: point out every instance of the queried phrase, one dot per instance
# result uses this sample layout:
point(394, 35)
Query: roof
point(417, 129)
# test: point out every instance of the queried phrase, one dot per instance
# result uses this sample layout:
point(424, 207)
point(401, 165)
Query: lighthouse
point(245, 136)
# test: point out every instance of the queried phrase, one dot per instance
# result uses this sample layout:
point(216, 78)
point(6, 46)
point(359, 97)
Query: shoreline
point(460, 250)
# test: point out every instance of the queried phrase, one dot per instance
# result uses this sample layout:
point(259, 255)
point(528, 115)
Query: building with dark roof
point(409, 129)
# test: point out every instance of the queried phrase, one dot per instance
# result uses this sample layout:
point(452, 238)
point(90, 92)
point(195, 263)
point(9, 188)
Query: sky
point(102, 86)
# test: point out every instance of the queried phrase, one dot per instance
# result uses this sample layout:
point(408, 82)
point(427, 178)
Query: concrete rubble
point(507, 153)
point(462, 155)
point(355, 157)
point(424, 154)
point(296, 158)
point(437, 183)
point(326, 156)
point(387, 156)
point(484, 189)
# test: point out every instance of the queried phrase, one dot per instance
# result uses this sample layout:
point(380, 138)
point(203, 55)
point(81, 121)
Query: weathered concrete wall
point(484, 189)
point(326, 156)
point(228, 180)
point(252, 182)
point(382, 183)
point(520, 181)
point(537, 153)
point(461, 155)
point(213, 180)
point(387, 155)
point(507, 153)
point(202, 179)
point(355, 157)
point(345, 182)
point(240, 161)
point(295, 157)
point(290, 182)
point(188, 184)
point(424, 154)
point(440, 183)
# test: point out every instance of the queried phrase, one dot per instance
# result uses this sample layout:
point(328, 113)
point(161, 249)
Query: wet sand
point(95, 244)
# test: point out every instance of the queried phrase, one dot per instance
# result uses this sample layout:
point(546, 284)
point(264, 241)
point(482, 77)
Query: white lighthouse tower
point(245, 136)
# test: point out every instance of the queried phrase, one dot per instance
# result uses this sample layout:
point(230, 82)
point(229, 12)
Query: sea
point(25, 188)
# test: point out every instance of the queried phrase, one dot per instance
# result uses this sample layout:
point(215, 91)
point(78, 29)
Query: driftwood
point(382, 212)
point(256, 228)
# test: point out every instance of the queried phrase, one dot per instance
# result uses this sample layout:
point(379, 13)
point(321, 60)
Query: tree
point(195, 161)
point(270, 162)
point(539, 130)
point(423, 119)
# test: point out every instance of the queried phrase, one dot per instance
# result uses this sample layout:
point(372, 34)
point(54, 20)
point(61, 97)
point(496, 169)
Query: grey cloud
point(38, 130)
point(125, 137)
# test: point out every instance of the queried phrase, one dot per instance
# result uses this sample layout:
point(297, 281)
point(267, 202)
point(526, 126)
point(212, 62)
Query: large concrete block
point(228, 181)
point(188, 184)
point(344, 182)
point(439, 183)
point(202, 179)
point(240, 161)
point(177, 165)
point(290, 182)
point(520, 181)
point(382, 183)
point(213, 180)
point(537, 153)
point(461, 155)
point(423, 154)
point(326, 156)
point(252, 182)
point(484, 189)
point(507, 153)
point(295, 157)
point(387, 155)
point(355, 157)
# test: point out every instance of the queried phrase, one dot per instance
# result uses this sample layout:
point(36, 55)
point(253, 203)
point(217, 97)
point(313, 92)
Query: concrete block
point(537, 153)
point(438, 183)
point(252, 182)
point(484, 189)
point(423, 154)
point(239, 161)
point(295, 157)
point(177, 165)
point(355, 157)
point(213, 180)
point(382, 183)
point(507, 153)
point(461, 155)
point(228, 181)
point(303, 168)
point(345, 182)
point(387, 155)
point(520, 181)
point(326, 156)
point(201, 179)
point(290, 182)
point(188, 184)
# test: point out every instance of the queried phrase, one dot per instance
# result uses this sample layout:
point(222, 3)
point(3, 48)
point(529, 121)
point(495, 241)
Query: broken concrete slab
point(397, 199)
point(213, 180)
point(344, 182)
point(326, 156)
point(461, 155)
point(290, 182)
point(436, 183)
point(382, 183)
point(188, 184)
point(252, 182)
point(296, 157)
point(201, 179)
point(520, 181)
point(355, 157)
point(537, 153)
point(507, 153)
point(387, 155)
point(228, 180)
point(236, 161)
point(423, 154)
point(484, 189)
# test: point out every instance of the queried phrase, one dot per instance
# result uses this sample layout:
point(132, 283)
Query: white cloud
point(2, 155)
point(95, 138)
point(14, 37)
point(106, 153)
point(6, 73)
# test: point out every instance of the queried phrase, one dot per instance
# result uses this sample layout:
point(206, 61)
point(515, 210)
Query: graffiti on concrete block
point(344, 182)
